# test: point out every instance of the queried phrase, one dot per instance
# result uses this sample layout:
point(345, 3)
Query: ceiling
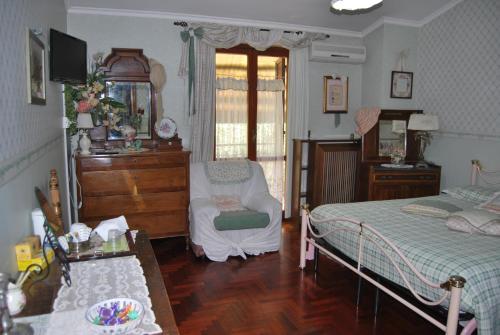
point(310, 13)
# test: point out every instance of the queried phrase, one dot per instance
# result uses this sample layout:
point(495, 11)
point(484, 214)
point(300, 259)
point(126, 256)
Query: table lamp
point(84, 122)
point(423, 124)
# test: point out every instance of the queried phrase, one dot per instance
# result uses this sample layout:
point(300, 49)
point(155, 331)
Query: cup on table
point(114, 236)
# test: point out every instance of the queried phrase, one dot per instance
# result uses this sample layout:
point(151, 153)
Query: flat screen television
point(68, 58)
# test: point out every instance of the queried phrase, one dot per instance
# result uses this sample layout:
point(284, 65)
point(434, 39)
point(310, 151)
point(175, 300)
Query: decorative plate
point(166, 128)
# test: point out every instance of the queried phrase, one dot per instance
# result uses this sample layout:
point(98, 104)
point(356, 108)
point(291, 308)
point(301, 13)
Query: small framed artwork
point(401, 85)
point(35, 69)
point(335, 94)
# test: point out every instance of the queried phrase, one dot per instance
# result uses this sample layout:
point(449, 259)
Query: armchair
point(252, 226)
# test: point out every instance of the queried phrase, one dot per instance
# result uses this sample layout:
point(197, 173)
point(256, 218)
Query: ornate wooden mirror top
point(127, 81)
point(390, 134)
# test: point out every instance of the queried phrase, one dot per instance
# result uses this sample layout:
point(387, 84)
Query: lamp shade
point(423, 122)
point(84, 121)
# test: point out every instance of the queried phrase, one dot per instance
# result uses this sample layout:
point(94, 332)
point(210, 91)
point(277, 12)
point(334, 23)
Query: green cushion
point(236, 220)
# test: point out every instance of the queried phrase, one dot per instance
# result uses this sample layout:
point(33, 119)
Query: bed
point(439, 266)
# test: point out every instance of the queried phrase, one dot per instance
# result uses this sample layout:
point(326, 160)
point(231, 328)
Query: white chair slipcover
point(253, 194)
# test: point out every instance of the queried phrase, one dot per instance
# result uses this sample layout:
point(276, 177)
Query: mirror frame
point(124, 64)
point(371, 138)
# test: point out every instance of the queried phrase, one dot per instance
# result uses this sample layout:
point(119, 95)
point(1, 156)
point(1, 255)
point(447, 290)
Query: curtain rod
point(184, 24)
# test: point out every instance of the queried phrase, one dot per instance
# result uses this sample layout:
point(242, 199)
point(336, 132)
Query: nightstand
point(396, 183)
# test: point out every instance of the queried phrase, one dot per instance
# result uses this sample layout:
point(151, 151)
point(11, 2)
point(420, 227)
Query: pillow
point(472, 193)
point(434, 208)
point(228, 203)
point(475, 221)
point(492, 205)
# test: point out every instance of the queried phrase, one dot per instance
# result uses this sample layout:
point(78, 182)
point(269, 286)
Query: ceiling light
point(354, 6)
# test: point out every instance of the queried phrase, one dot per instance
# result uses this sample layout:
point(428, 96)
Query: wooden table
point(40, 295)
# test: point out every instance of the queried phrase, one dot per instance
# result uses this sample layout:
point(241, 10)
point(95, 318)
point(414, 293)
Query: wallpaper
point(458, 76)
point(25, 128)
point(31, 141)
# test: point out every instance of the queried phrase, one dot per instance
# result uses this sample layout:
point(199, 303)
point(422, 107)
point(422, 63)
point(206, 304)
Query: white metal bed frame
point(452, 288)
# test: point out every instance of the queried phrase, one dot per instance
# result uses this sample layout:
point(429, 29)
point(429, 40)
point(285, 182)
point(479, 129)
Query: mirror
point(390, 134)
point(137, 97)
point(126, 73)
point(392, 137)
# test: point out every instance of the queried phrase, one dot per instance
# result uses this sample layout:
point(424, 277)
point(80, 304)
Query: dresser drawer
point(160, 225)
point(116, 205)
point(132, 162)
point(151, 189)
point(405, 177)
point(138, 181)
point(386, 183)
point(157, 225)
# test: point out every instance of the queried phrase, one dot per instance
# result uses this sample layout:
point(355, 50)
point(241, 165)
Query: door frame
point(252, 69)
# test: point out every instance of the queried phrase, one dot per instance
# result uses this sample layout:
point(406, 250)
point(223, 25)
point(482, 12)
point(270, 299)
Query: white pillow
point(433, 208)
point(472, 193)
point(475, 221)
point(228, 203)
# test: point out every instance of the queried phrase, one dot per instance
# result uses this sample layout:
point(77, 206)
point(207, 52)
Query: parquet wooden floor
point(269, 294)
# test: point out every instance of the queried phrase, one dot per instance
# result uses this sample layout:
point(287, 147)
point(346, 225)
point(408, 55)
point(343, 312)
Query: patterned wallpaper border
point(451, 134)
point(10, 169)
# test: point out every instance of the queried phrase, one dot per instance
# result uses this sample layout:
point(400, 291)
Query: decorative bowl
point(115, 316)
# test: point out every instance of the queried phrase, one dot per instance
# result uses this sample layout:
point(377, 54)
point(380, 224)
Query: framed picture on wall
point(335, 94)
point(401, 85)
point(35, 69)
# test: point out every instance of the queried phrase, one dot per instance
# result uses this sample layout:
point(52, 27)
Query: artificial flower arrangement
point(397, 155)
point(90, 98)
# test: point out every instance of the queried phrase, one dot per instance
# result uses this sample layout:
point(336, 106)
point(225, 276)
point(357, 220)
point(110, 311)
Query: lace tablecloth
point(95, 281)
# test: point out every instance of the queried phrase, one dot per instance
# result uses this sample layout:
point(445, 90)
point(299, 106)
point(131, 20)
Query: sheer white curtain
point(298, 111)
point(231, 118)
point(270, 149)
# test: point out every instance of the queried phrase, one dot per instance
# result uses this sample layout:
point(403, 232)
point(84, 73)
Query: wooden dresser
point(151, 189)
point(388, 183)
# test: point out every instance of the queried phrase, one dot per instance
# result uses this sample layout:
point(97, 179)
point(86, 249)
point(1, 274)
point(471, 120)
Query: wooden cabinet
point(388, 183)
point(331, 169)
point(151, 189)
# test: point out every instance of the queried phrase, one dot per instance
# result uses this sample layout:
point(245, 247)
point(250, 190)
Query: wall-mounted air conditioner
point(326, 52)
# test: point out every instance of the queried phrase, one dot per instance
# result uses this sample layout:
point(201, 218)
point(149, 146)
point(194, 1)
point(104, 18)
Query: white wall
point(159, 39)
point(323, 125)
point(30, 135)
point(455, 152)
point(372, 69)
point(396, 39)
point(383, 46)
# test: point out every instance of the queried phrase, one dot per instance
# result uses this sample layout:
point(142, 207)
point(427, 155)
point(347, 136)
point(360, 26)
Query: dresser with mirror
point(382, 180)
point(148, 184)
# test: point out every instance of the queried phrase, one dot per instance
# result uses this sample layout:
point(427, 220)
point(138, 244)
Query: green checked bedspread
point(431, 247)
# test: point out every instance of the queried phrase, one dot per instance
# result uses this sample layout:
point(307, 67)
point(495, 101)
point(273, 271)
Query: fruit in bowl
point(115, 316)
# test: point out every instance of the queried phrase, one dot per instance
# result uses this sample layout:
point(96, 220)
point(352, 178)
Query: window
point(251, 109)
